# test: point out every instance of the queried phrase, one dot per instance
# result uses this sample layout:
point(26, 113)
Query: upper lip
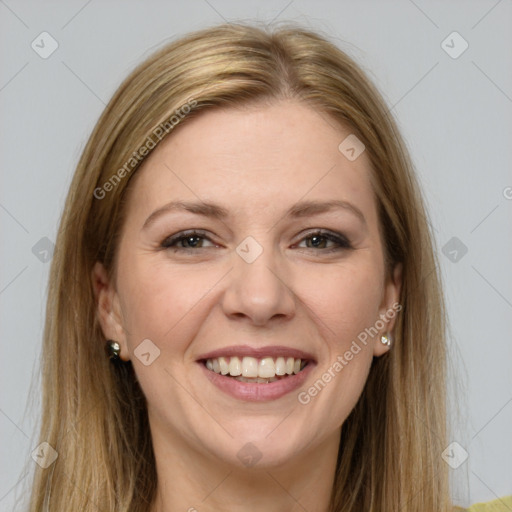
point(258, 353)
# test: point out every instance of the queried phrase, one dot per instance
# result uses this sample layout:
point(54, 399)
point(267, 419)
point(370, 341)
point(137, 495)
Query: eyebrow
point(302, 209)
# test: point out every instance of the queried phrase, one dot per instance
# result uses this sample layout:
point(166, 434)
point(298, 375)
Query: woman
point(245, 236)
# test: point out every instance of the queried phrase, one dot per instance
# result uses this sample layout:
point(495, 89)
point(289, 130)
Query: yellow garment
point(500, 505)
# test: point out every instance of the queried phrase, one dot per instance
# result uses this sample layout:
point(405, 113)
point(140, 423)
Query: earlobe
point(383, 343)
point(107, 307)
point(389, 310)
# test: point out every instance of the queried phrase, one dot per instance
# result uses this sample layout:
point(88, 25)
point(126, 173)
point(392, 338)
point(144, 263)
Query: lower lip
point(258, 392)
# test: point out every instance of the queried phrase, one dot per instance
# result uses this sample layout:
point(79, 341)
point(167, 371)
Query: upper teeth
point(265, 368)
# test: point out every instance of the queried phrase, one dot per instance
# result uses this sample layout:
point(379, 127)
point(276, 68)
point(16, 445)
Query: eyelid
point(323, 232)
point(338, 238)
point(172, 239)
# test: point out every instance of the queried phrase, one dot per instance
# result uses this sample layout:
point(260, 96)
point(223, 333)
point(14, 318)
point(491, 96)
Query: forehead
point(261, 156)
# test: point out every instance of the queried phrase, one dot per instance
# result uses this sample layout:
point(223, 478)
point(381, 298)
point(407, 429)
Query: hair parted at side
point(94, 412)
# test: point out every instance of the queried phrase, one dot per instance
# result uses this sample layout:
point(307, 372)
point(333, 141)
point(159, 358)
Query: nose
point(257, 292)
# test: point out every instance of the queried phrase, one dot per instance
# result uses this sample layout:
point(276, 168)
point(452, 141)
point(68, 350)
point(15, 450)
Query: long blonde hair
point(94, 413)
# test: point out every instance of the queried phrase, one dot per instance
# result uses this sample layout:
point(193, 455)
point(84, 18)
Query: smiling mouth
point(256, 370)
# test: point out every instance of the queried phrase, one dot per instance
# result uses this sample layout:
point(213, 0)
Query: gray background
point(455, 114)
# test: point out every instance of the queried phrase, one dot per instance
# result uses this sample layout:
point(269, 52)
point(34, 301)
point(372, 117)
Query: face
point(250, 268)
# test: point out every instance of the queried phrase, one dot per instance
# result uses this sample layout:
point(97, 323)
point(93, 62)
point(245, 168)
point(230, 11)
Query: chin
point(258, 451)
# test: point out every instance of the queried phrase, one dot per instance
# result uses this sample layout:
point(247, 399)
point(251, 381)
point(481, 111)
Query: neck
point(190, 481)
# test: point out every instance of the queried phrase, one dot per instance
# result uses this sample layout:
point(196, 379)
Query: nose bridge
point(257, 289)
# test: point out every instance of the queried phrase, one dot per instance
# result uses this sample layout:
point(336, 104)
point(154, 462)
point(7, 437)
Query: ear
point(108, 308)
point(389, 309)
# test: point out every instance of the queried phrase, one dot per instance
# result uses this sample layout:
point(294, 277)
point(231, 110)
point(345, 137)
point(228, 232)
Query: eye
point(321, 240)
point(324, 241)
point(187, 240)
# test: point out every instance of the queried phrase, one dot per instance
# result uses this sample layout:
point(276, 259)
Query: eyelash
point(340, 240)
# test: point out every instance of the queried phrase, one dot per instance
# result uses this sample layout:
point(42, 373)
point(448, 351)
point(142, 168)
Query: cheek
point(345, 297)
point(160, 301)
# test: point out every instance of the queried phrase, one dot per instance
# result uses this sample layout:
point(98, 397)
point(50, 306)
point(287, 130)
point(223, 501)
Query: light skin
point(302, 291)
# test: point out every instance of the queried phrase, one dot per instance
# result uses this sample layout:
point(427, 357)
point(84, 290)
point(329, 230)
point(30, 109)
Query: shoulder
point(500, 505)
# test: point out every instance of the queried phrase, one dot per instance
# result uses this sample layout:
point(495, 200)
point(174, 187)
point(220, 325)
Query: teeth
point(258, 380)
point(250, 369)
point(289, 365)
point(235, 367)
point(267, 368)
point(280, 366)
point(223, 364)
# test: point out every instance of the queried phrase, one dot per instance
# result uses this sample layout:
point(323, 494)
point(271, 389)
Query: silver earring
point(385, 340)
point(113, 350)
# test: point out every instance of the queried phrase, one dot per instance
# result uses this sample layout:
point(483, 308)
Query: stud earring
point(386, 340)
point(113, 350)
